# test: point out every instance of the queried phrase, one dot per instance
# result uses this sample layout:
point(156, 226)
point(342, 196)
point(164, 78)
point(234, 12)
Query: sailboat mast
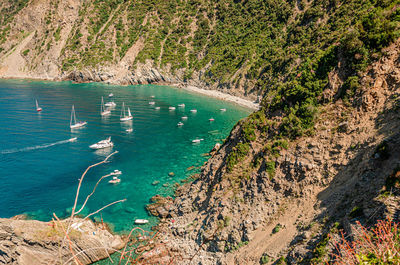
point(123, 109)
point(37, 105)
point(72, 115)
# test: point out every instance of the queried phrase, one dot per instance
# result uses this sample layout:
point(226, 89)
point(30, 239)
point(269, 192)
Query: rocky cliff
point(318, 152)
point(263, 214)
point(34, 242)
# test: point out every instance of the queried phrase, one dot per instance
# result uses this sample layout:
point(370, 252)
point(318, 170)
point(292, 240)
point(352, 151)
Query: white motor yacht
point(102, 144)
point(110, 104)
point(141, 221)
point(114, 180)
point(116, 172)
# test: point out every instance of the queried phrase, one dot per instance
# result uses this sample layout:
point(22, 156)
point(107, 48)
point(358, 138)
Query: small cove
point(41, 168)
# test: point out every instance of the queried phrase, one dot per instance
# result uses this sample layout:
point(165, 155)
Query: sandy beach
point(222, 96)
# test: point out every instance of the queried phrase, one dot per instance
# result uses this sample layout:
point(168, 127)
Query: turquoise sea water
point(40, 170)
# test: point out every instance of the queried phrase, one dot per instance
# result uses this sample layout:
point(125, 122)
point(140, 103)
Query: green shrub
point(270, 168)
point(382, 150)
point(357, 211)
point(238, 153)
point(264, 259)
point(276, 229)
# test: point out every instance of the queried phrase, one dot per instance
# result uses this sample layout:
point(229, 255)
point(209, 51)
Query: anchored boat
point(102, 144)
point(141, 221)
point(114, 180)
point(73, 124)
point(38, 109)
point(103, 110)
point(125, 117)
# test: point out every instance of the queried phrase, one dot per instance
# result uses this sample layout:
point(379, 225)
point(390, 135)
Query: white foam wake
point(25, 149)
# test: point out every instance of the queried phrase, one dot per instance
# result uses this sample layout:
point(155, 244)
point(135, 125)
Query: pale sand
point(222, 96)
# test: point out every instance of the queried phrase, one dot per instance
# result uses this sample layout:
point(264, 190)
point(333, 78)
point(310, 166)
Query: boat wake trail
point(26, 149)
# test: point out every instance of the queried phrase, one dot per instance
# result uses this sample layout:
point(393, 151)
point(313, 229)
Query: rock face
point(34, 242)
point(238, 217)
point(39, 43)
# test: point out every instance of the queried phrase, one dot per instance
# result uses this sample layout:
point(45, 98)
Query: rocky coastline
point(26, 242)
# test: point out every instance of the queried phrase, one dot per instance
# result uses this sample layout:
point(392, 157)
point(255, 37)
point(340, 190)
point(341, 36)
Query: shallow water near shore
point(40, 167)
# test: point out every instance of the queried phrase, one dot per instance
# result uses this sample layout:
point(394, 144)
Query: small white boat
point(38, 109)
point(114, 180)
point(72, 139)
point(222, 109)
point(152, 96)
point(152, 103)
point(125, 117)
point(116, 172)
point(211, 119)
point(103, 110)
point(102, 144)
point(110, 95)
point(180, 124)
point(157, 108)
point(171, 108)
point(141, 221)
point(181, 105)
point(129, 130)
point(197, 141)
point(110, 104)
point(184, 118)
point(193, 110)
point(73, 124)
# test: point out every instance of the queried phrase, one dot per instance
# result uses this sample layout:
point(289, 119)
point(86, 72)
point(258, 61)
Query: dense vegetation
point(283, 50)
point(280, 49)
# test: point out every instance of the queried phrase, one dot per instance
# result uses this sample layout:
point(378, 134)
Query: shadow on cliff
point(356, 191)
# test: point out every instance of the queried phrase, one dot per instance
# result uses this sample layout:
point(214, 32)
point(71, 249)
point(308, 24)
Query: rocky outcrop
point(34, 242)
point(239, 217)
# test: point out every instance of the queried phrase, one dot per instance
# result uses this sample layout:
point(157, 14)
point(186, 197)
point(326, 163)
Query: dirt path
point(264, 241)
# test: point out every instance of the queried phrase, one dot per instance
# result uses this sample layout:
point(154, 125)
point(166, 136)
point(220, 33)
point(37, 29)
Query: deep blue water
point(40, 171)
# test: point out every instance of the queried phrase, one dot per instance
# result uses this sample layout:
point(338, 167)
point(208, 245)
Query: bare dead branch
point(81, 179)
point(94, 189)
point(123, 200)
point(69, 240)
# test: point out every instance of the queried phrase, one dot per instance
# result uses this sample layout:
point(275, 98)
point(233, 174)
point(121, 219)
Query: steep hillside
point(246, 48)
point(319, 150)
point(280, 201)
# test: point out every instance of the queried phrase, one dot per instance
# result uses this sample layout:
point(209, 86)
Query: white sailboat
point(73, 123)
point(38, 109)
point(103, 110)
point(125, 117)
